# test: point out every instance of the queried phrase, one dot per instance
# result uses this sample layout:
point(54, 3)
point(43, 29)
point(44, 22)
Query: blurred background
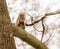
point(35, 10)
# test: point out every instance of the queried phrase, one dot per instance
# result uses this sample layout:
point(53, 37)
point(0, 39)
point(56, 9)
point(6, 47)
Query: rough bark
point(6, 36)
point(7, 30)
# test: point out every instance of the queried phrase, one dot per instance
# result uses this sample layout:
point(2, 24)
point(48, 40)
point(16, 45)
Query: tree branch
point(43, 30)
point(30, 39)
point(47, 14)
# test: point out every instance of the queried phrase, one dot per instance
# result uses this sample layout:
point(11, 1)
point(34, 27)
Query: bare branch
point(48, 38)
point(36, 29)
point(47, 14)
point(43, 30)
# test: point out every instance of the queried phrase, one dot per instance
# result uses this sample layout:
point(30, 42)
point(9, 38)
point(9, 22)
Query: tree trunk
point(6, 36)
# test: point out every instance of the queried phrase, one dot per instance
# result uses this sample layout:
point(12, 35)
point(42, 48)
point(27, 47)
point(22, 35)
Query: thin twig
point(48, 38)
point(36, 29)
point(47, 14)
point(43, 30)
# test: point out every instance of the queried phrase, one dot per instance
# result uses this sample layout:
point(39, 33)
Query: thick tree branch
point(30, 39)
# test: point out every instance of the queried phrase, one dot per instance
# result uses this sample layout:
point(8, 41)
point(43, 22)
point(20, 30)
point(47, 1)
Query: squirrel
point(20, 20)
